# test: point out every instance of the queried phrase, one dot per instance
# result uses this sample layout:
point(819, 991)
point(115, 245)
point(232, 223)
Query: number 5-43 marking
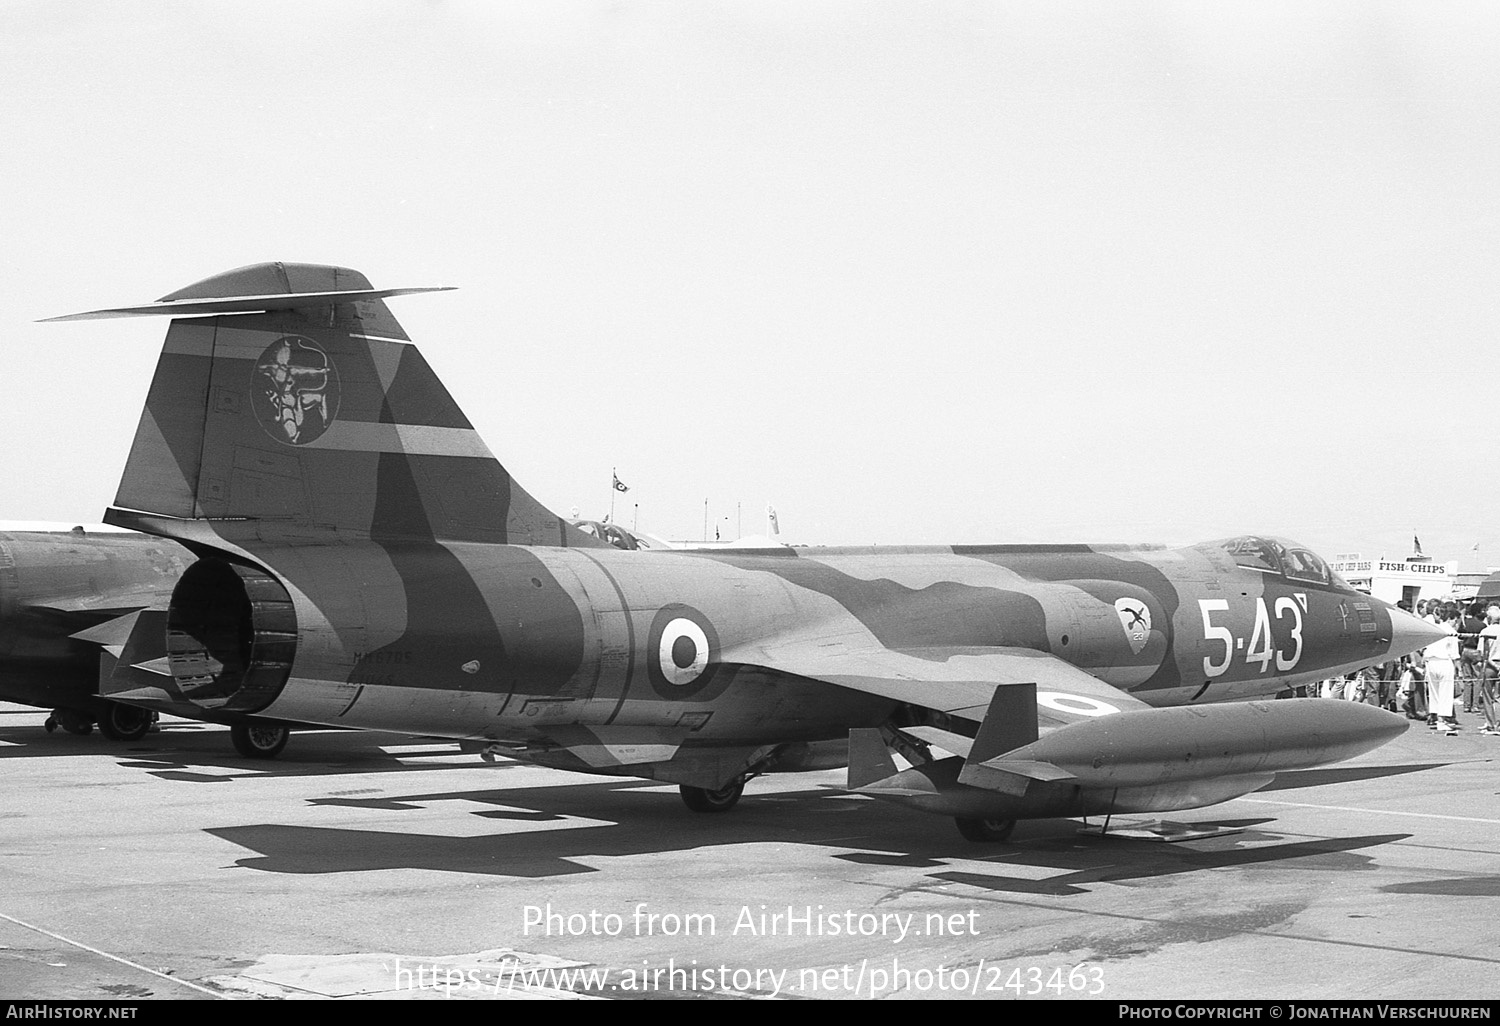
point(1260, 649)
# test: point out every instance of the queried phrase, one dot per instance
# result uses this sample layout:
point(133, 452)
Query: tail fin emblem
point(296, 390)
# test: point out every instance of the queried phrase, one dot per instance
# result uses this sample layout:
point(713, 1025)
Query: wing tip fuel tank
point(1143, 760)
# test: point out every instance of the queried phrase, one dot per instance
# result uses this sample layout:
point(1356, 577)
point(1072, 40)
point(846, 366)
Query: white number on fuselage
point(1262, 643)
point(1285, 604)
point(1212, 633)
point(1261, 636)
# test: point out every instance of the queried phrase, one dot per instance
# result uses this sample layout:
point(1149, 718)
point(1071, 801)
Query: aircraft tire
point(74, 722)
point(258, 741)
point(125, 722)
point(701, 799)
point(985, 831)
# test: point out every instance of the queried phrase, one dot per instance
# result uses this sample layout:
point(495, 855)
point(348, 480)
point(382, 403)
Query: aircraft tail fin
point(292, 398)
point(869, 759)
point(1009, 723)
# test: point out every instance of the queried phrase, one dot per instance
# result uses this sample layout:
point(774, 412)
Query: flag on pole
point(620, 486)
point(1416, 546)
point(771, 519)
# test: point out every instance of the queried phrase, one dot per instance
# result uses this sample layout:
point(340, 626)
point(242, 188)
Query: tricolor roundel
point(682, 652)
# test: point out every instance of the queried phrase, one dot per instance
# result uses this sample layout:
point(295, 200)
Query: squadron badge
point(296, 390)
point(1135, 617)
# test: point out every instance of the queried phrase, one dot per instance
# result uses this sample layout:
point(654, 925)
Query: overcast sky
point(911, 272)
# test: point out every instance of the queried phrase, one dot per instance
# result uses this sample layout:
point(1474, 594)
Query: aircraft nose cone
point(1408, 633)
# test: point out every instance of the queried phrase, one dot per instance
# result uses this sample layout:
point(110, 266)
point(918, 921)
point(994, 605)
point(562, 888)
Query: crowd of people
point(1462, 668)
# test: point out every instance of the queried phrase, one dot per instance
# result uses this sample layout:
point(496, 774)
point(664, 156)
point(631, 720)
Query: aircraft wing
point(957, 681)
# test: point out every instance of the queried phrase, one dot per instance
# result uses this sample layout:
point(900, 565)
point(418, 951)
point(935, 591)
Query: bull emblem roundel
point(296, 390)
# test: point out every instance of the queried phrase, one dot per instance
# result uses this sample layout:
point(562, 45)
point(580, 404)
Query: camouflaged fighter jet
point(363, 560)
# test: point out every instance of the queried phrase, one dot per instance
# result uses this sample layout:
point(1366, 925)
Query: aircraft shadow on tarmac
point(1464, 887)
point(202, 753)
point(1332, 854)
point(183, 750)
point(643, 819)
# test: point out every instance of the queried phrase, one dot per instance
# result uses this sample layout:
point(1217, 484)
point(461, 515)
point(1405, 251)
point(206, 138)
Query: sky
point(911, 272)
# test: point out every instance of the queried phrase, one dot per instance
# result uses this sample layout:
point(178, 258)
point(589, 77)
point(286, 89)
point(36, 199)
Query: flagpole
point(614, 475)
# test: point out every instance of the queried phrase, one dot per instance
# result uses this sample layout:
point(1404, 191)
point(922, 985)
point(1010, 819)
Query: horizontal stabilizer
point(308, 413)
point(245, 304)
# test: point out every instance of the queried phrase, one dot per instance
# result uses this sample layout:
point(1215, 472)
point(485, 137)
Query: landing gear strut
point(258, 740)
point(701, 799)
point(985, 830)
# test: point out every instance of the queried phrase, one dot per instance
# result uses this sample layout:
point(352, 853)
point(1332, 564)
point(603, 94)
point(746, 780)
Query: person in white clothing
point(1442, 662)
point(1490, 648)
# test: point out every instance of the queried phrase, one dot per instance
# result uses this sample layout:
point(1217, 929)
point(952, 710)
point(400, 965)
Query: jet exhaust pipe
point(231, 636)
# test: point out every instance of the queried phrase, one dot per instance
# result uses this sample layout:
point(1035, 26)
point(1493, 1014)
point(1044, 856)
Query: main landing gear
point(126, 722)
point(989, 831)
point(71, 720)
point(118, 722)
point(701, 799)
point(258, 740)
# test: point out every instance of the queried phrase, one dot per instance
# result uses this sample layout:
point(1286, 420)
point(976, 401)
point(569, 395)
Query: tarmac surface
point(364, 865)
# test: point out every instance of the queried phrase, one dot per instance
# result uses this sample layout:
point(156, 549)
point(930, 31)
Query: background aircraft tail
point(297, 402)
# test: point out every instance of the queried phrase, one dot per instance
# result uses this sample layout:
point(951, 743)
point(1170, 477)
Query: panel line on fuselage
point(629, 633)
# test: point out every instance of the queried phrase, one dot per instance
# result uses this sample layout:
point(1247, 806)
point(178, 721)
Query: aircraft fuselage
point(497, 641)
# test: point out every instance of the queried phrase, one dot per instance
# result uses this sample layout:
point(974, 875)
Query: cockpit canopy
point(1279, 556)
point(611, 534)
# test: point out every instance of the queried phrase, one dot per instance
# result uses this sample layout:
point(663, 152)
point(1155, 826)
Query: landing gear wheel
point(985, 830)
point(74, 722)
point(125, 722)
point(700, 799)
point(258, 741)
point(50, 725)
